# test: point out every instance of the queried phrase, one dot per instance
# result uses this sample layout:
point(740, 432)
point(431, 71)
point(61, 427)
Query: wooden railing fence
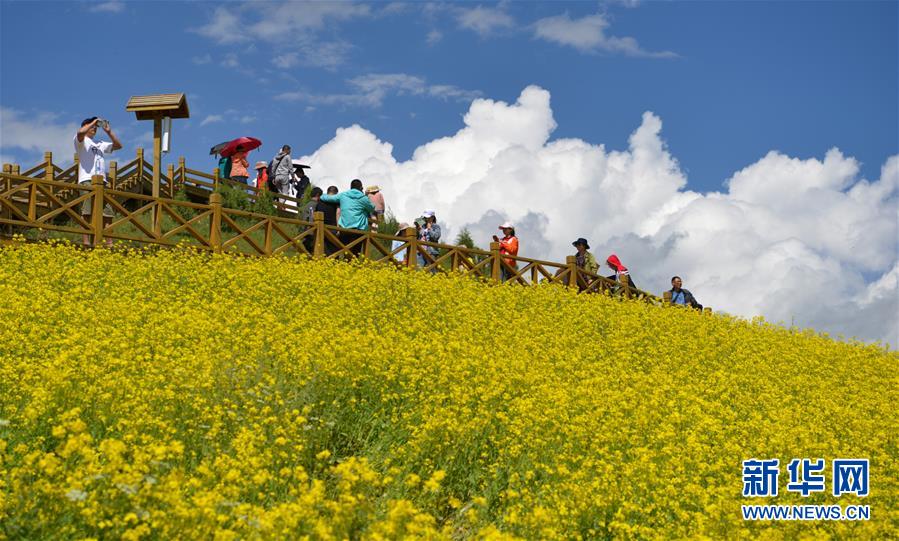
point(46, 198)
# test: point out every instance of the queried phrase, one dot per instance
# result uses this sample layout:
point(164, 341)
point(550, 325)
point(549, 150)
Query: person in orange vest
point(507, 246)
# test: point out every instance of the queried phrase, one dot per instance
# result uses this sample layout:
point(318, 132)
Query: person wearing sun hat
point(584, 259)
point(377, 199)
point(507, 246)
point(261, 175)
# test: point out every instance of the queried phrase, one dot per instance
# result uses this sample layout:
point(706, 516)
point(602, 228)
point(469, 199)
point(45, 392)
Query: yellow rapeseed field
point(179, 396)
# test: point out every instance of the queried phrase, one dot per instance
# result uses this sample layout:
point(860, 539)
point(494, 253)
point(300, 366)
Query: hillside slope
point(175, 395)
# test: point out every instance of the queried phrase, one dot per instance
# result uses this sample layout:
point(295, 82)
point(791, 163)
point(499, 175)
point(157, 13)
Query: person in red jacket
point(621, 272)
point(507, 246)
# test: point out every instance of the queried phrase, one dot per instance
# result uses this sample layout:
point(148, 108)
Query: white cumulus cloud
point(802, 241)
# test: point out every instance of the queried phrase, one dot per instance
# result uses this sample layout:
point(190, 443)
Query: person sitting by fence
point(281, 171)
point(377, 199)
point(239, 166)
point(584, 261)
point(429, 232)
point(92, 161)
point(355, 209)
point(507, 246)
point(682, 296)
point(261, 176)
point(621, 273)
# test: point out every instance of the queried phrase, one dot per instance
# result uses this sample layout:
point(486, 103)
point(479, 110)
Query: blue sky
point(742, 78)
point(749, 147)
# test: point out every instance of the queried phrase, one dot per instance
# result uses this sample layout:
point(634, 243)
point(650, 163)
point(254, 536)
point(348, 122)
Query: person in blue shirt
point(681, 296)
point(355, 208)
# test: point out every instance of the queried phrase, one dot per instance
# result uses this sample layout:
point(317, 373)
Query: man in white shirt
point(92, 161)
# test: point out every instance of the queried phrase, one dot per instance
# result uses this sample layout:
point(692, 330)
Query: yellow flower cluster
point(178, 396)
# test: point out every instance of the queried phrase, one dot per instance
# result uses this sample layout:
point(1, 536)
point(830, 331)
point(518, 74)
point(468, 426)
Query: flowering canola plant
point(171, 395)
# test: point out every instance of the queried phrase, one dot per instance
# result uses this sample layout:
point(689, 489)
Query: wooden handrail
point(43, 205)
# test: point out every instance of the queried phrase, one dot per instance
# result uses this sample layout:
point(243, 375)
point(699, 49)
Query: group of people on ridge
point(354, 209)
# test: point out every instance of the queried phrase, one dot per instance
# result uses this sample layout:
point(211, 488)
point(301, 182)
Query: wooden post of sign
point(666, 298)
point(157, 169)
point(97, 209)
point(495, 272)
point(215, 226)
point(48, 171)
point(318, 223)
point(412, 250)
point(571, 261)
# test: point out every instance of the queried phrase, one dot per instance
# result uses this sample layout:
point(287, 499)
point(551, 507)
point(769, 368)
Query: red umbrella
point(248, 144)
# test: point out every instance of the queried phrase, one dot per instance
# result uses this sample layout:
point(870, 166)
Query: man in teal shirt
point(355, 208)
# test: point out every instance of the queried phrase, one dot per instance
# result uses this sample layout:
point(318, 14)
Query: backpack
point(272, 167)
point(225, 167)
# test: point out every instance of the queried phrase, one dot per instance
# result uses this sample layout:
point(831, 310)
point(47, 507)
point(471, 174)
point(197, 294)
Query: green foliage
point(234, 198)
point(389, 225)
point(264, 204)
point(464, 239)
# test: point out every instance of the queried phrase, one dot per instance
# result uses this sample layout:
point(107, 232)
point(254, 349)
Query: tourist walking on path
point(682, 296)
point(92, 161)
point(355, 209)
point(282, 169)
point(239, 166)
point(508, 246)
point(261, 175)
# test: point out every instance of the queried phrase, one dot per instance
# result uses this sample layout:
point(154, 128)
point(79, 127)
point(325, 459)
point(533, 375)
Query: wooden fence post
point(267, 240)
point(48, 172)
point(571, 261)
point(32, 200)
point(140, 165)
point(625, 282)
point(215, 226)
point(182, 167)
point(171, 173)
point(215, 179)
point(113, 175)
point(495, 273)
point(318, 224)
point(412, 250)
point(97, 214)
point(75, 170)
point(666, 298)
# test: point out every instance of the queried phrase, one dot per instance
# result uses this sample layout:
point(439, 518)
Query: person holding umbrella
point(236, 150)
point(239, 165)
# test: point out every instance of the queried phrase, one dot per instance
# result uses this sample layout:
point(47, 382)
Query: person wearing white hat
point(507, 246)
